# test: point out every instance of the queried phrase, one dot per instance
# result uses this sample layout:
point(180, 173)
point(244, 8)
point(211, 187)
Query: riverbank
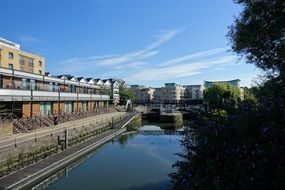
point(131, 161)
point(32, 173)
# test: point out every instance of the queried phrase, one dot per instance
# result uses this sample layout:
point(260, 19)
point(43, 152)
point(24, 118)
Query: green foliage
point(243, 148)
point(125, 94)
point(258, 34)
point(250, 94)
point(221, 96)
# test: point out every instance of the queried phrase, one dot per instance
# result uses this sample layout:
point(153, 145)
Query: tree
point(250, 94)
point(220, 96)
point(258, 34)
point(125, 94)
point(244, 148)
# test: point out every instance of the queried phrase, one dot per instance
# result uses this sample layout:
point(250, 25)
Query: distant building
point(158, 95)
point(193, 92)
point(146, 95)
point(173, 92)
point(12, 57)
point(234, 83)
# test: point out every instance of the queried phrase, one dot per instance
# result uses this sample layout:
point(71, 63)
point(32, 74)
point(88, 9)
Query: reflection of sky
point(143, 162)
point(150, 128)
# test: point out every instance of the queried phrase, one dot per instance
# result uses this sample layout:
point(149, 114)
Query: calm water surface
point(129, 162)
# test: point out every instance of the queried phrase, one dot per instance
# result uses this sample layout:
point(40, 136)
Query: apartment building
point(158, 95)
point(193, 92)
point(235, 83)
point(115, 89)
point(146, 95)
point(12, 57)
point(26, 91)
point(173, 92)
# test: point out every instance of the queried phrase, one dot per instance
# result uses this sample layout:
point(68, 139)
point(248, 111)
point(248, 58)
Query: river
point(129, 162)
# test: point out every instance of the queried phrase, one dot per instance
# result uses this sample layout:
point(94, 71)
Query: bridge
point(160, 132)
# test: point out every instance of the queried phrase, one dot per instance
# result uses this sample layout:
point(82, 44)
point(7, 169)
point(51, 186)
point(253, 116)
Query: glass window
point(11, 55)
point(33, 84)
point(40, 63)
point(10, 66)
point(31, 62)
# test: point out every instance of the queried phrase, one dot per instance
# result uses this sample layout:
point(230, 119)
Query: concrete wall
point(16, 59)
point(6, 128)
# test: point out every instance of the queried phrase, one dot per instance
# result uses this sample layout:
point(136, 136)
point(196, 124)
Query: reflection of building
point(193, 92)
point(234, 83)
point(12, 57)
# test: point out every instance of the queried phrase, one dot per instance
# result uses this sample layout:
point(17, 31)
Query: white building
point(193, 92)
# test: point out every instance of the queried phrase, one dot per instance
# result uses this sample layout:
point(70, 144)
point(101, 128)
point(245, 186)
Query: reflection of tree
point(123, 139)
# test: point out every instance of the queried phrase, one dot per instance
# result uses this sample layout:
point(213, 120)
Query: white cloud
point(130, 59)
point(189, 57)
point(182, 70)
point(29, 39)
point(163, 37)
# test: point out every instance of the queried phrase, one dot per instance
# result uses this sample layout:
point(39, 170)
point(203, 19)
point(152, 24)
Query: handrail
point(7, 116)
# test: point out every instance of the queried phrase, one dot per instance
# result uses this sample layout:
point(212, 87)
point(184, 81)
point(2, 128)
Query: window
point(10, 66)
point(40, 72)
point(22, 60)
point(31, 69)
point(21, 68)
point(10, 55)
point(31, 63)
point(40, 63)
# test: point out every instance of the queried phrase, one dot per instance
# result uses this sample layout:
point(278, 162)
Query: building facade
point(12, 57)
point(26, 91)
point(28, 94)
point(193, 92)
point(234, 83)
point(173, 92)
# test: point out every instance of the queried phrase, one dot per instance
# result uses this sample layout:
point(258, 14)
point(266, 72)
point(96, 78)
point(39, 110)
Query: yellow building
point(12, 57)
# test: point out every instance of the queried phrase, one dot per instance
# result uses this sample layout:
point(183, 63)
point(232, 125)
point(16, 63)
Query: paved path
point(27, 174)
point(22, 139)
point(43, 168)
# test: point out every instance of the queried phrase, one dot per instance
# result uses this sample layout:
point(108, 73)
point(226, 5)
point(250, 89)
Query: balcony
point(27, 91)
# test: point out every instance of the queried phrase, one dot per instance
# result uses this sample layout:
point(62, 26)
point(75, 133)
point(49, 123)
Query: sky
point(146, 42)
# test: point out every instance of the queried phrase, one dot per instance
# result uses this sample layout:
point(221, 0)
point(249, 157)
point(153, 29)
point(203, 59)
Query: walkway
point(42, 168)
point(23, 139)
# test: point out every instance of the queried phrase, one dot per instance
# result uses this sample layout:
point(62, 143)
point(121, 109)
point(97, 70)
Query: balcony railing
point(47, 87)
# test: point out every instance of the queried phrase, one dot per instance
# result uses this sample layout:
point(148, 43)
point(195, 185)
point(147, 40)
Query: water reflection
point(130, 162)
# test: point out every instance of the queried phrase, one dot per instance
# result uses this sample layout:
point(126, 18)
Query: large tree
point(125, 94)
point(258, 34)
point(244, 149)
point(221, 95)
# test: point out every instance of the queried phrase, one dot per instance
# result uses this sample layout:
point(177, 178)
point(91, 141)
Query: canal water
point(132, 161)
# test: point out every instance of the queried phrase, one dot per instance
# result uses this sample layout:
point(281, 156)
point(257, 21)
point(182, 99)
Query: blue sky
point(147, 42)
